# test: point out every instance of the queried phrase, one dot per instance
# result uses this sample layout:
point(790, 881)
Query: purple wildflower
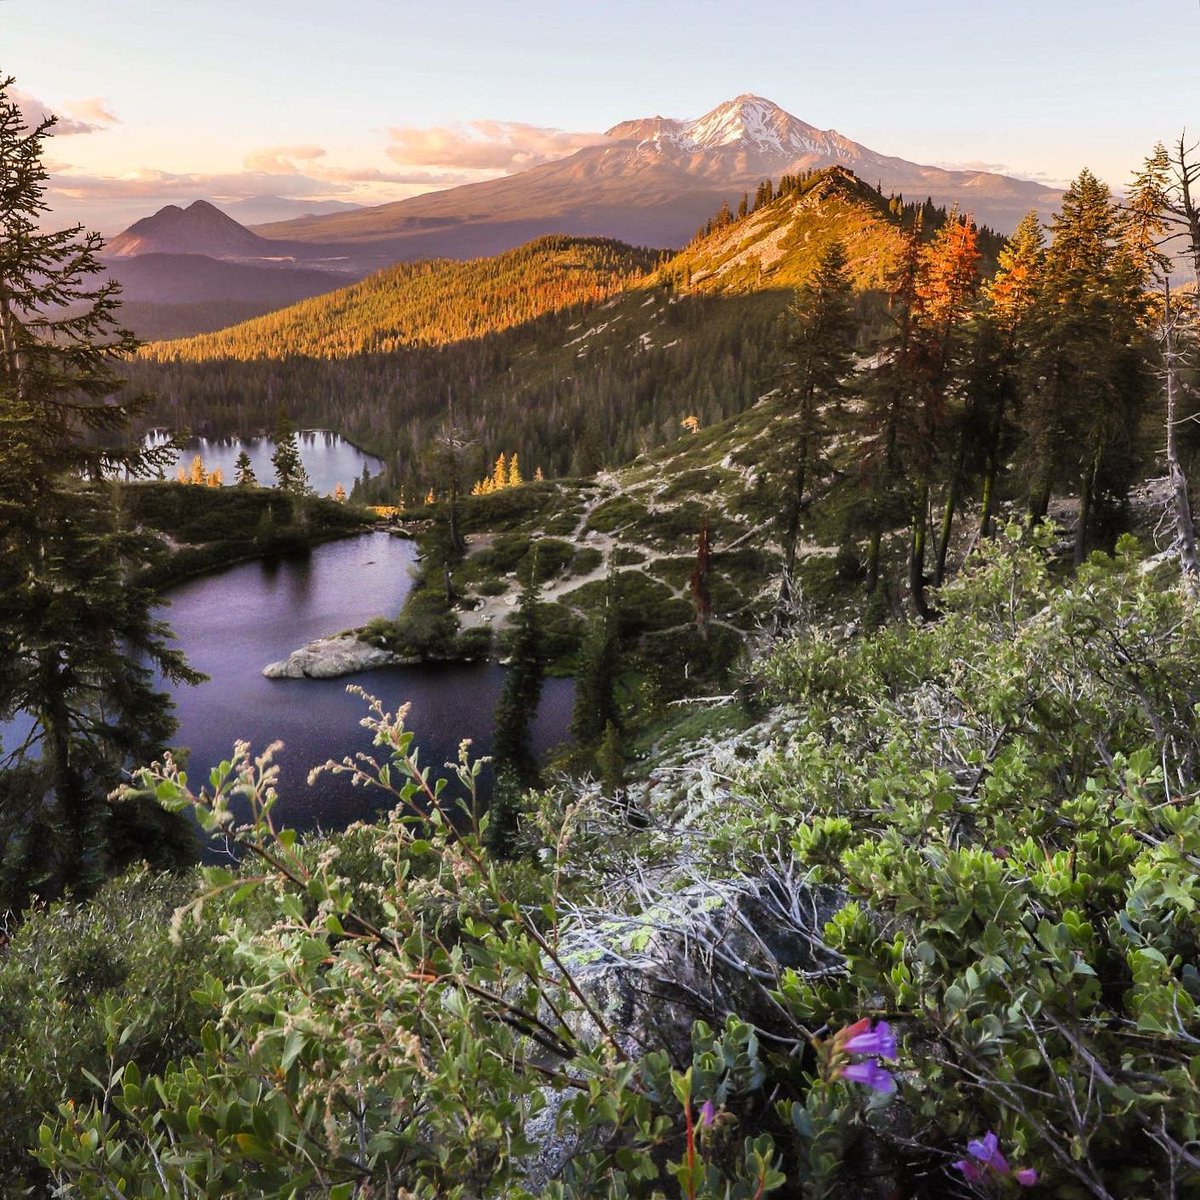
point(880, 1041)
point(987, 1150)
point(708, 1114)
point(971, 1172)
point(870, 1074)
point(1027, 1176)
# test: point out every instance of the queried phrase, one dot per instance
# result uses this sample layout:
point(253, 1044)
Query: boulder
point(712, 948)
point(327, 658)
point(701, 952)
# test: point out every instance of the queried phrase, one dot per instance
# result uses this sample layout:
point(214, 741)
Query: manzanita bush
point(1007, 797)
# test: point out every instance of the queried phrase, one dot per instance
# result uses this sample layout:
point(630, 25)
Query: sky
point(365, 102)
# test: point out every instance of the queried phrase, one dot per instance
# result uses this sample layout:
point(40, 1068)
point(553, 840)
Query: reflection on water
point(232, 624)
point(328, 458)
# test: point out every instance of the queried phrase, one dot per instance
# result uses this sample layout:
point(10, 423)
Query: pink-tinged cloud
point(431, 179)
point(78, 116)
point(282, 160)
point(92, 110)
point(484, 145)
point(166, 186)
point(992, 168)
point(300, 162)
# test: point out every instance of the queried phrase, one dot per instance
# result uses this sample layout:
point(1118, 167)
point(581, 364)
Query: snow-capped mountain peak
point(748, 120)
point(747, 123)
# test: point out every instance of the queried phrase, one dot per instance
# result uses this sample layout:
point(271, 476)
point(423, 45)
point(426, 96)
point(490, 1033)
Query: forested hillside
point(584, 381)
point(429, 303)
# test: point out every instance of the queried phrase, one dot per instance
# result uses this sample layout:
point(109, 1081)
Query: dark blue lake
point(233, 623)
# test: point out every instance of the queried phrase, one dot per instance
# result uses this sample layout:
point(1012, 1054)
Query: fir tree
point(512, 747)
point(79, 642)
point(503, 816)
point(596, 677)
point(1000, 334)
point(820, 341)
point(245, 476)
point(610, 762)
point(1086, 362)
point(290, 475)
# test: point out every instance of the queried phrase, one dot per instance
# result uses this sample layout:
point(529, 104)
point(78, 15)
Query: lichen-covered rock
point(703, 952)
point(327, 658)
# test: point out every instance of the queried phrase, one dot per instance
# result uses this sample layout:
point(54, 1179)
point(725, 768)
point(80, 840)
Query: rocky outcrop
point(327, 658)
point(702, 952)
point(714, 948)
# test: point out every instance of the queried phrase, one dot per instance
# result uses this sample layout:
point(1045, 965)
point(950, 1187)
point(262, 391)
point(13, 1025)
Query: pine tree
point(995, 391)
point(701, 593)
point(79, 642)
point(197, 475)
point(245, 472)
point(596, 677)
point(514, 472)
point(1086, 362)
point(820, 342)
point(290, 475)
point(512, 747)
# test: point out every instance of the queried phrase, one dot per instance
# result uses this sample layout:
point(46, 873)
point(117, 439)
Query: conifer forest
point(673, 673)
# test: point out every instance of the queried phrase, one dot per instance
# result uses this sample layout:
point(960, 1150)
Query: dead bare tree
point(1162, 211)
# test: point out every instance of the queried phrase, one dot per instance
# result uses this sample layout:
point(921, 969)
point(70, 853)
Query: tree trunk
point(14, 360)
point(952, 493)
point(873, 559)
point(791, 537)
point(916, 556)
point(1185, 531)
point(1039, 503)
point(1086, 496)
point(989, 496)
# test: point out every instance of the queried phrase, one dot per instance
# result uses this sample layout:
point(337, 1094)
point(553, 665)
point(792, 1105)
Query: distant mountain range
point(653, 182)
point(256, 210)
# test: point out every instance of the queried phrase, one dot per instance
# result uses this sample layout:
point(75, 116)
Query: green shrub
point(86, 989)
point(615, 514)
point(426, 628)
point(474, 643)
point(585, 560)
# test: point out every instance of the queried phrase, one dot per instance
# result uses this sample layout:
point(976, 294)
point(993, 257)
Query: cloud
point(430, 179)
point(77, 116)
point(503, 146)
point(1002, 169)
point(281, 160)
point(166, 186)
point(92, 110)
point(285, 161)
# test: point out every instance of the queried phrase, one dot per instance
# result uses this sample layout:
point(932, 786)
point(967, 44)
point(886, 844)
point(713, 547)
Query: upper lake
point(328, 458)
